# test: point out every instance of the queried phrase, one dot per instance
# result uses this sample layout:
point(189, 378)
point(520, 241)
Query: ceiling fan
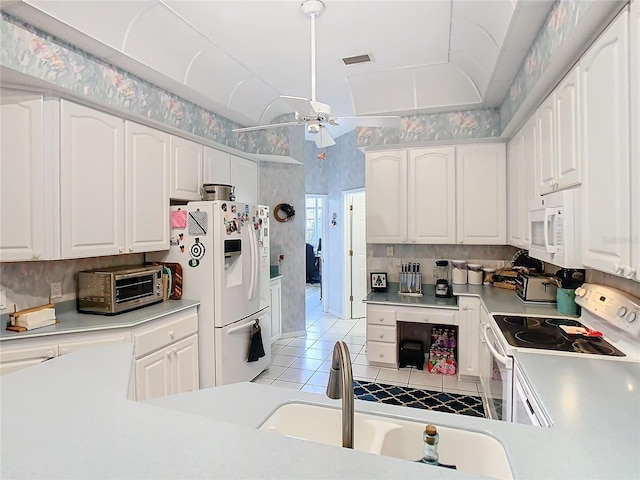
point(313, 114)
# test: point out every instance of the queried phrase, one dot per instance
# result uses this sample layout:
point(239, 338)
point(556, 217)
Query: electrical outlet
point(56, 289)
point(389, 251)
point(397, 262)
point(3, 299)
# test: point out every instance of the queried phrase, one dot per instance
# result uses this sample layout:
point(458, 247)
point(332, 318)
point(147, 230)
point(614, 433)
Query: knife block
point(410, 284)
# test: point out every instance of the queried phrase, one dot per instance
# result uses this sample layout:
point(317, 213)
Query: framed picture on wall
point(379, 281)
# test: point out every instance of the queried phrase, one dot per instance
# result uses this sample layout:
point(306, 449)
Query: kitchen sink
point(469, 451)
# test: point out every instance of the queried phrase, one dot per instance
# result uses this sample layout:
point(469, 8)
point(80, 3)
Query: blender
point(442, 276)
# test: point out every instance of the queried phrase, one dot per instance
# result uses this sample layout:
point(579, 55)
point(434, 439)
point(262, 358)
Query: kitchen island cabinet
point(634, 56)
point(229, 416)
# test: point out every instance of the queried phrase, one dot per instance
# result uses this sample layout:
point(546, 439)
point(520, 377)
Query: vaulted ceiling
point(237, 57)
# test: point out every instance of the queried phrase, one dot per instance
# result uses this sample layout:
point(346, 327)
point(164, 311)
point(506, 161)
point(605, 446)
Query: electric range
point(604, 309)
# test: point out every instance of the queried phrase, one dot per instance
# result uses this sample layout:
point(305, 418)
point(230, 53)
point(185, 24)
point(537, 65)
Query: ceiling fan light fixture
point(357, 59)
point(313, 128)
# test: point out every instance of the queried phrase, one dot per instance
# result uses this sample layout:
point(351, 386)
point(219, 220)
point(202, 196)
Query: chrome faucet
point(342, 387)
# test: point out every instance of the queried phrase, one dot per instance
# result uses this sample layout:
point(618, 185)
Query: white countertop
point(73, 322)
point(69, 417)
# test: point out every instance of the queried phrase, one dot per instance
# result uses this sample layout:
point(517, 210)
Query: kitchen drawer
point(427, 315)
point(379, 316)
point(93, 339)
point(382, 353)
point(157, 336)
point(381, 333)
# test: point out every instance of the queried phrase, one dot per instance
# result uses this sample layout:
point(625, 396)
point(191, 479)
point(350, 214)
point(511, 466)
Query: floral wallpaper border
point(434, 127)
point(30, 51)
point(564, 16)
point(38, 54)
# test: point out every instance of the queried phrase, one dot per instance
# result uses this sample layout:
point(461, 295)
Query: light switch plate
point(56, 289)
point(389, 251)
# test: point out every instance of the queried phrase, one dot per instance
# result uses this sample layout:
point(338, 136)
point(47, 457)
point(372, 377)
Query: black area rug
point(425, 399)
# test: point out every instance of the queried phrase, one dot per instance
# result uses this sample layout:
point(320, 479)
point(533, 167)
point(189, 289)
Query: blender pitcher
point(442, 276)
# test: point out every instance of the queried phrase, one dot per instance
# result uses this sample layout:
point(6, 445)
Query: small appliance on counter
point(535, 287)
point(217, 191)
point(114, 290)
point(442, 276)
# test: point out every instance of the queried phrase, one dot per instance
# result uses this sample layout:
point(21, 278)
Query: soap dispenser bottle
point(431, 439)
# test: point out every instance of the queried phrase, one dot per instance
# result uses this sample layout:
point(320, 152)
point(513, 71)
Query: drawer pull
point(382, 319)
point(382, 355)
point(381, 336)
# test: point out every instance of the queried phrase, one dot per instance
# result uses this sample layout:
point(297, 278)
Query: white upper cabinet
point(515, 197)
point(186, 169)
point(386, 196)
point(558, 137)
point(244, 177)
point(546, 127)
point(91, 182)
point(217, 166)
point(431, 201)
point(567, 106)
point(606, 202)
point(28, 178)
point(521, 167)
point(147, 189)
point(481, 194)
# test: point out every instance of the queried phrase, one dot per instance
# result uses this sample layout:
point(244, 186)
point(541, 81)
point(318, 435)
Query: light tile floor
point(303, 363)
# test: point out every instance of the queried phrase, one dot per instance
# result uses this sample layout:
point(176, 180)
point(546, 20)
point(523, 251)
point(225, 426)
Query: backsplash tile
point(28, 283)
point(426, 255)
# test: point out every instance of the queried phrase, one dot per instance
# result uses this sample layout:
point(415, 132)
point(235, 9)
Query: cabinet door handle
point(169, 354)
point(172, 334)
point(131, 249)
point(121, 250)
point(50, 354)
point(175, 352)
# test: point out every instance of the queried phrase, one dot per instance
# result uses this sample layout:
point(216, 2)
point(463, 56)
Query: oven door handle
point(498, 356)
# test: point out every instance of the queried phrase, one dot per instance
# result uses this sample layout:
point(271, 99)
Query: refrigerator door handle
point(245, 325)
point(254, 253)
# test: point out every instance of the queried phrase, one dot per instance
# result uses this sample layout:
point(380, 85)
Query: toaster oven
point(535, 287)
point(110, 291)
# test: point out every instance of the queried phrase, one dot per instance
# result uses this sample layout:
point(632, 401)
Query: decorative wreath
point(283, 212)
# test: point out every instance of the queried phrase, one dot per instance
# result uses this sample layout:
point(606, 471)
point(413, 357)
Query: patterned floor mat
point(412, 397)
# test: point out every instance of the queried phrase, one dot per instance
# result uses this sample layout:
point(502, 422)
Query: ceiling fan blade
point(264, 127)
point(371, 121)
point(301, 105)
point(323, 138)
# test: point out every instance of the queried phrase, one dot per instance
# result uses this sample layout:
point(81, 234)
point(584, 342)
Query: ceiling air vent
point(356, 59)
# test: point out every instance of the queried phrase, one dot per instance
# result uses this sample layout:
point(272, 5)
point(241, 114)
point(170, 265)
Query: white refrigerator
point(223, 248)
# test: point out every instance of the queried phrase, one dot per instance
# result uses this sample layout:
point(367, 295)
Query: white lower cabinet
point(383, 335)
point(166, 355)
point(382, 345)
point(165, 351)
point(21, 356)
point(171, 370)
point(468, 334)
point(276, 308)
point(18, 354)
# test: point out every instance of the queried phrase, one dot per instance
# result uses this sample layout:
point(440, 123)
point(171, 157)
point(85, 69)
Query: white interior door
point(356, 246)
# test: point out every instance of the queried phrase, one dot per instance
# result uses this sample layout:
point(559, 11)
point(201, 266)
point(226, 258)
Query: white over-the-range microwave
point(554, 229)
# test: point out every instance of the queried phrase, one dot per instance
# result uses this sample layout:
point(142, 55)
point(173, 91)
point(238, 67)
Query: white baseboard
point(334, 312)
point(299, 333)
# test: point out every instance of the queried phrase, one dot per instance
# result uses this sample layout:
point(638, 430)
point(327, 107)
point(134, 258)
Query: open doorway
point(355, 259)
point(315, 206)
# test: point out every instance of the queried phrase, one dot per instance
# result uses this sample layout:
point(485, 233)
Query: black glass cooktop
point(545, 333)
